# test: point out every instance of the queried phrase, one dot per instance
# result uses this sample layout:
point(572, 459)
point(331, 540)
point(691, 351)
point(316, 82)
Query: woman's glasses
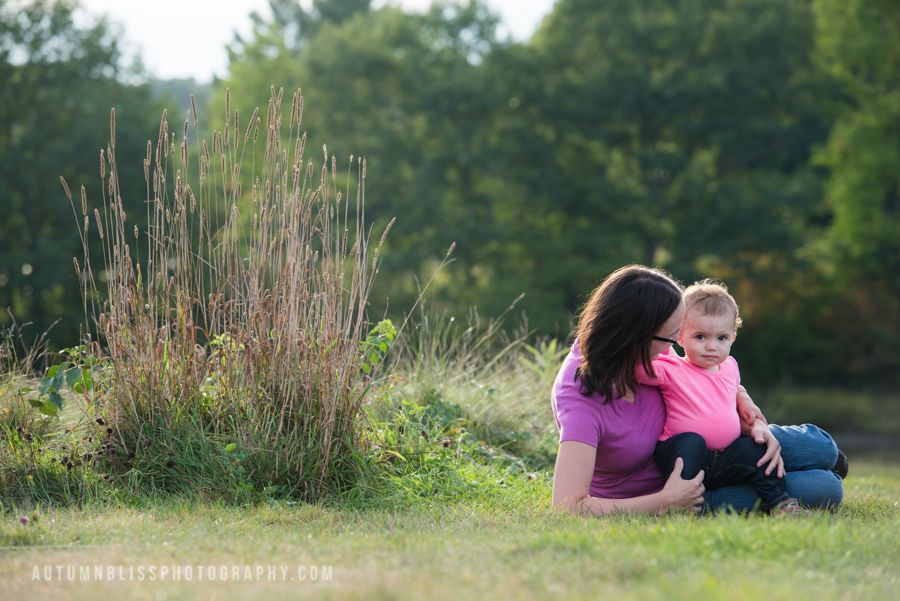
point(669, 340)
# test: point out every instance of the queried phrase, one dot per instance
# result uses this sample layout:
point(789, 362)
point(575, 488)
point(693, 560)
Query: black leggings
point(734, 465)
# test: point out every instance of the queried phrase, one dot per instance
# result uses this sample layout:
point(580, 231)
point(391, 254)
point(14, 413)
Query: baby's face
point(706, 339)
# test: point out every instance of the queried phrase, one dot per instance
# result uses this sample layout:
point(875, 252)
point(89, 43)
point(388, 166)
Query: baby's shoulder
point(729, 366)
point(670, 360)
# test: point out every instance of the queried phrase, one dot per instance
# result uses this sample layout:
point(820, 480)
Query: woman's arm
point(572, 481)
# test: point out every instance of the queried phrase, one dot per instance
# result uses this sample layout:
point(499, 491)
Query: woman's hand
point(762, 435)
point(687, 494)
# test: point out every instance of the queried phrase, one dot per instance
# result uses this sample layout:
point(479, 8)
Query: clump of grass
point(17, 370)
point(231, 326)
point(480, 383)
point(32, 464)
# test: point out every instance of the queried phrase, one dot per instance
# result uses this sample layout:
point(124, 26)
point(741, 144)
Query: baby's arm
point(661, 368)
point(747, 409)
point(642, 377)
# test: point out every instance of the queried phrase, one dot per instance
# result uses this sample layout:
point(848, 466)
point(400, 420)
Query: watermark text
point(175, 572)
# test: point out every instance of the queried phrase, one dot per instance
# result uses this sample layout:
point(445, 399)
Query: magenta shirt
point(624, 433)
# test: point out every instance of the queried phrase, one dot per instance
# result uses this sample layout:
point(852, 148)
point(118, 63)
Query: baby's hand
point(749, 412)
point(761, 434)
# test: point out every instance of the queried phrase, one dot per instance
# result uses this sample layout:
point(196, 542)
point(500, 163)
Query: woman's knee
point(829, 495)
point(818, 489)
point(805, 447)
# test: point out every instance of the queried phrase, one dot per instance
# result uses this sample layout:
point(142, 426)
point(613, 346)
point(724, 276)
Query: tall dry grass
point(231, 326)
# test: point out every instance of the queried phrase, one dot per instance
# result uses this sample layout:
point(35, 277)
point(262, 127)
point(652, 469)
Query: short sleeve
point(577, 415)
point(662, 367)
point(642, 377)
point(577, 421)
point(737, 371)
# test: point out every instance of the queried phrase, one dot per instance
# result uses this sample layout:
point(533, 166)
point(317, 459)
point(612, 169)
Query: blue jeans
point(809, 454)
point(736, 464)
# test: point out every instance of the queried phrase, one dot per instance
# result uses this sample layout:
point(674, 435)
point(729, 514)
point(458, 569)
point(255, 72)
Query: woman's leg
point(815, 488)
point(805, 447)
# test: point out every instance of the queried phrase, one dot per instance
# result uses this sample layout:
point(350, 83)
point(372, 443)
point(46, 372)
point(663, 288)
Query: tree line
point(755, 141)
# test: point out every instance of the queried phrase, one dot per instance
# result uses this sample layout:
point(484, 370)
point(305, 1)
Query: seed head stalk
point(249, 306)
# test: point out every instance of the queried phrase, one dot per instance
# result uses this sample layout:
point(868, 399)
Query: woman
point(609, 424)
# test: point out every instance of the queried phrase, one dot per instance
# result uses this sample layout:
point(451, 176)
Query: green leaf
point(36, 402)
point(48, 408)
point(56, 399)
point(72, 375)
point(397, 455)
point(59, 379)
point(231, 448)
point(45, 384)
point(52, 371)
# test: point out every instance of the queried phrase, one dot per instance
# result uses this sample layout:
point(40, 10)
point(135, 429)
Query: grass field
point(496, 541)
point(467, 519)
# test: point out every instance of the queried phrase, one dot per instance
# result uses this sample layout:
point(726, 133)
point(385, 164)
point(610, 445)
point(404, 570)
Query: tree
point(408, 93)
point(625, 132)
point(670, 133)
point(59, 82)
point(859, 44)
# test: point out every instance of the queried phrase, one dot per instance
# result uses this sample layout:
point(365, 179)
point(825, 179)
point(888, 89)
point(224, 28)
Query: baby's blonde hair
point(710, 297)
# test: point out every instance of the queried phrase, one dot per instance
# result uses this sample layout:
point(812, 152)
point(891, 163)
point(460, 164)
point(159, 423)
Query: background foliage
point(58, 84)
point(755, 141)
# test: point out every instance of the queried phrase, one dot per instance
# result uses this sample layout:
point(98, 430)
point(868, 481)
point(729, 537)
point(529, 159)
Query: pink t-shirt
point(624, 433)
point(697, 400)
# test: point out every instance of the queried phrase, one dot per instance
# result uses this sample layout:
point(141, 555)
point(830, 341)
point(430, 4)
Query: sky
point(186, 38)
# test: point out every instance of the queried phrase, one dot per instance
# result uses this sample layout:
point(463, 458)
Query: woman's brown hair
point(617, 326)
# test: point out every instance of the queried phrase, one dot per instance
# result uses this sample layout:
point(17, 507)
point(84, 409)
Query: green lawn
point(501, 542)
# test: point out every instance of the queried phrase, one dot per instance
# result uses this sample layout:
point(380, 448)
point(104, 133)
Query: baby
point(700, 391)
